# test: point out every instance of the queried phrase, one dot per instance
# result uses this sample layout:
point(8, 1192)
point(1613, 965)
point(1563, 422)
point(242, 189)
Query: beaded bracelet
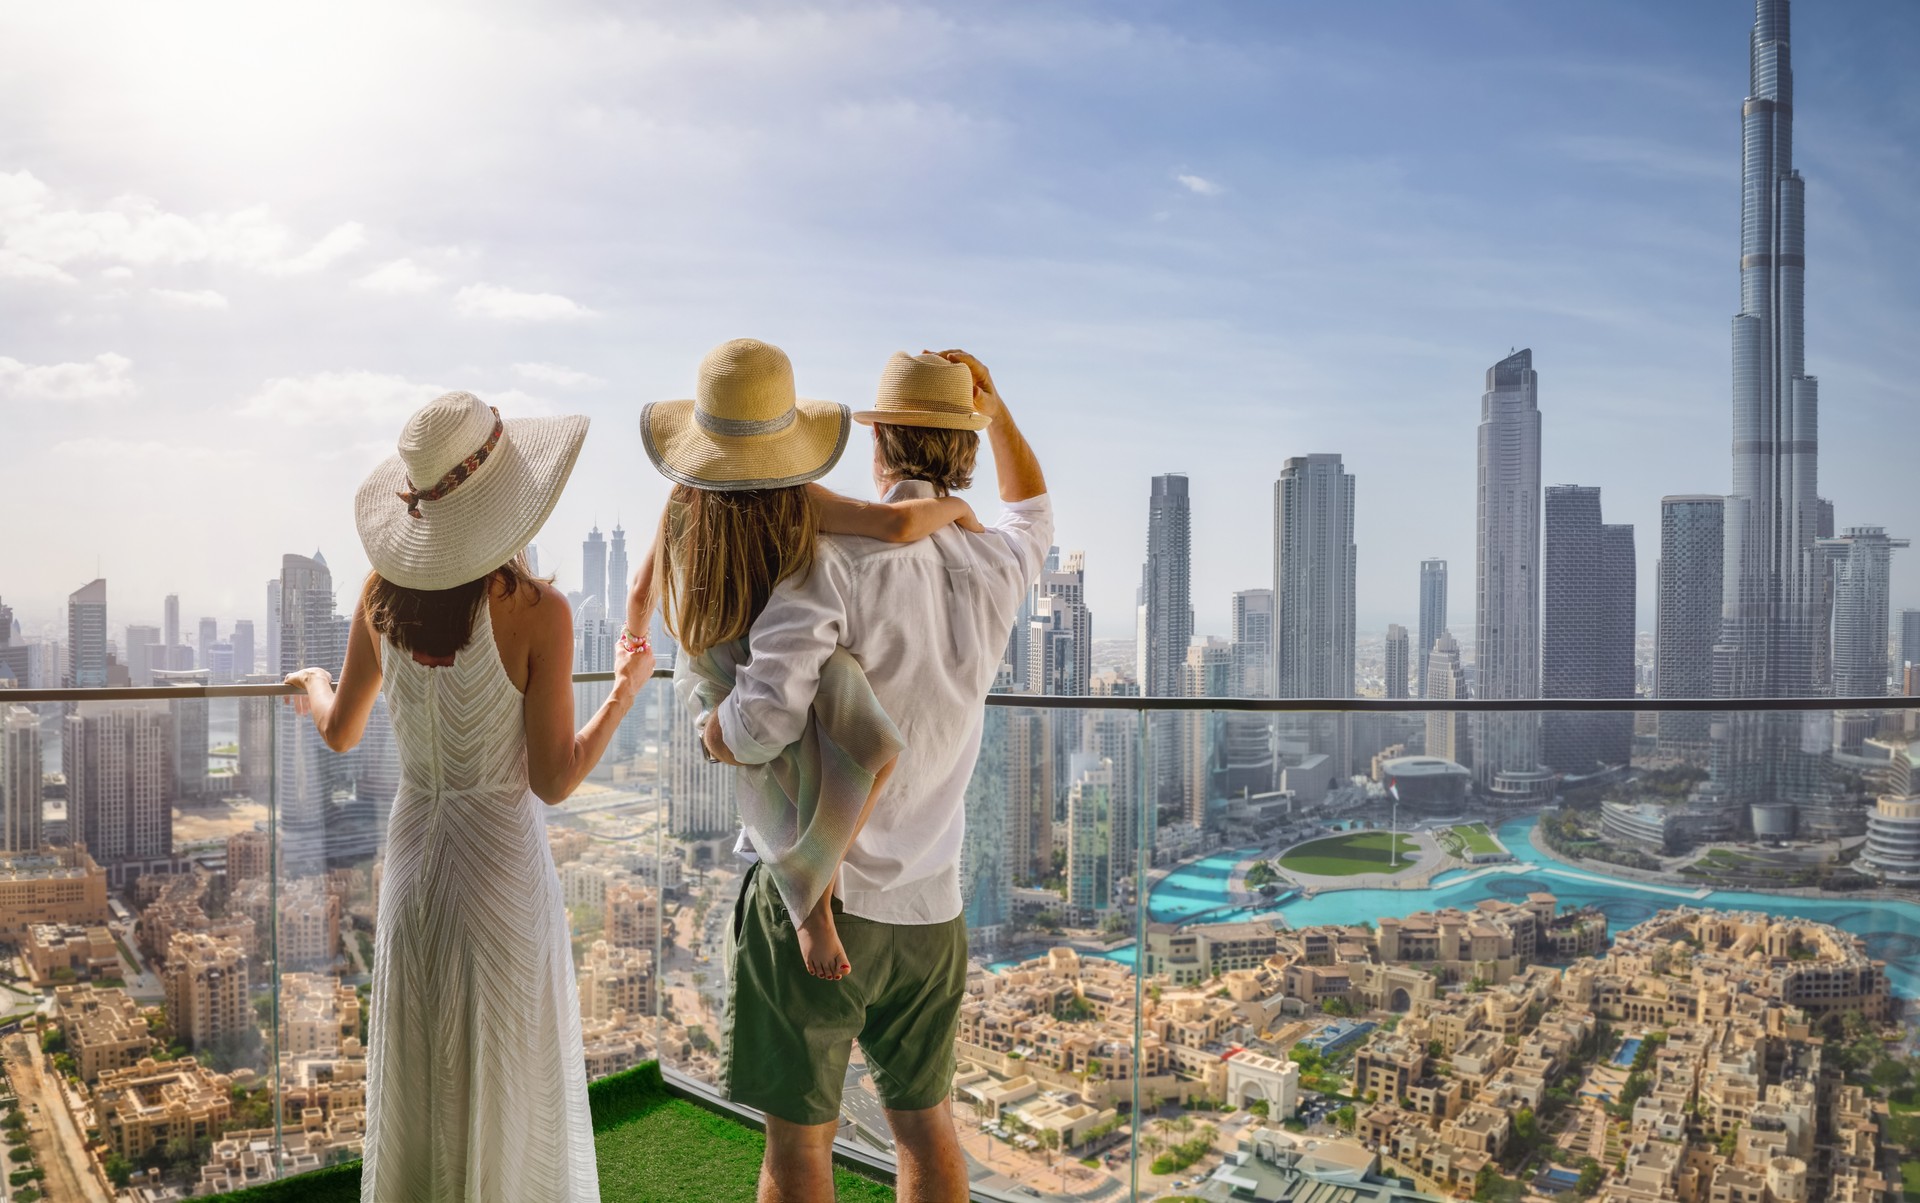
point(631, 643)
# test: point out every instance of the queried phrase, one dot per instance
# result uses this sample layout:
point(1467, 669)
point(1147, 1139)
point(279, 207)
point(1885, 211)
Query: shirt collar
point(910, 490)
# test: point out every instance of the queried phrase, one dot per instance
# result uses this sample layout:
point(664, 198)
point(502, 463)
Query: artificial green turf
point(653, 1147)
point(1347, 855)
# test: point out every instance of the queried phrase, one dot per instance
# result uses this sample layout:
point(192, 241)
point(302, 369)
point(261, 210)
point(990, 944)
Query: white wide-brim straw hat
point(466, 493)
point(924, 390)
point(746, 427)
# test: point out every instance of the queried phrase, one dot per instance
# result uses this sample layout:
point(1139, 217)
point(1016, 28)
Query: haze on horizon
point(238, 245)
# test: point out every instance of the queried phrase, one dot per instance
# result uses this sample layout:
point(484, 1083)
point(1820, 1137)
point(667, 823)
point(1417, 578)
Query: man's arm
point(1013, 459)
point(773, 691)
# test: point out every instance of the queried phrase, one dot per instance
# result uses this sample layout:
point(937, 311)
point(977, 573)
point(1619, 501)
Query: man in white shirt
point(928, 622)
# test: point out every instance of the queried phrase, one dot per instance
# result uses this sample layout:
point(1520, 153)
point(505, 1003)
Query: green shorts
point(789, 1034)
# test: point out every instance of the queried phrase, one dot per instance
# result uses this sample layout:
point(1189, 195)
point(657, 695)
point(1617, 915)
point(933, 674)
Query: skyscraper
point(1063, 582)
point(87, 635)
point(1250, 737)
point(142, 643)
point(170, 625)
point(243, 662)
point(20, 780)
point(188, 753)
point(311, 634)
point(203, 650)
point(1433, 615)
point(117, 757)
point(1862, 561)
point(1586, 641)
point(593, 566)
point(1396, 669)
point(1166, 595)
point(986, 872)
point(1906, 640)
point(1113, 738)
point(273, 626)
point(1090, 842)
point(1209, 674)
point(618, 577)
point(1447, 682)
point(1773, 629)
point(1314, 559)
point(1687, 622)
point(1506, 747)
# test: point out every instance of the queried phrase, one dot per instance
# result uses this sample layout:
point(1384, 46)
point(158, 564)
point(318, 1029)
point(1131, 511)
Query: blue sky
point(239, 243)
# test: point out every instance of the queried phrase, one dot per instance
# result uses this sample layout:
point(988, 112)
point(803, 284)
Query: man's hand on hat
point(986, 398)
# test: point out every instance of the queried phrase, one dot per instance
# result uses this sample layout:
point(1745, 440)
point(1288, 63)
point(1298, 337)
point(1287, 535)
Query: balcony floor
point(653, 1147)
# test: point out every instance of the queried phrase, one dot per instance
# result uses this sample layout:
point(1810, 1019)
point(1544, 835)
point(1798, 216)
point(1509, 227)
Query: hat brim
point(805, 451)
point(485, 522)
point(939, 419)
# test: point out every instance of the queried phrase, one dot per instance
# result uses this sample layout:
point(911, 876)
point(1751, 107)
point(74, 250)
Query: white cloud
point(510, 305)
point(104, 377)
point(97, 450)
point(117, 272)
point(361, 401)
point(44, 235)
point(1199, 184)
point(400, 276)
point(340, 398)
point(557, 375)
point(198, 298)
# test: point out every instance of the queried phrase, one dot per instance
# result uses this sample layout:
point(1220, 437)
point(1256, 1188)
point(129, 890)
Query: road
point(57, 1145)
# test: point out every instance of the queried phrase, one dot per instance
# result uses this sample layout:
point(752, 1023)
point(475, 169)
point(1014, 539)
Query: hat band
point(742, 428)
point(452, 480)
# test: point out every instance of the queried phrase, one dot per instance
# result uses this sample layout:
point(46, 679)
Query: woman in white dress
point(476, 1085)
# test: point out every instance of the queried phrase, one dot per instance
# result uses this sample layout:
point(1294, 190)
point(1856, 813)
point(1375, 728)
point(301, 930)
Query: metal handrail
point(1037, 701)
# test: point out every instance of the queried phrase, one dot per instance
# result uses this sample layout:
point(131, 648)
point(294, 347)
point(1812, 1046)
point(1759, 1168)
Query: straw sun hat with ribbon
point(745, 427)
point(924, 390)
point(466, 493)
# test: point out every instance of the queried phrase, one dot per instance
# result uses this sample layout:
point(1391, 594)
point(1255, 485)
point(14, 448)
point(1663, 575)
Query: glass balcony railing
point(1217, 945)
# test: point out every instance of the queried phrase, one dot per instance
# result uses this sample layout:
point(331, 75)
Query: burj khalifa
point(1771, 770)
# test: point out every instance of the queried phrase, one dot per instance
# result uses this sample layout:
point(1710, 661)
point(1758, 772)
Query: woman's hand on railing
point(310, 681)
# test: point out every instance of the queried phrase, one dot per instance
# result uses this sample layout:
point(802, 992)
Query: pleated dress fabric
point(476, 1083)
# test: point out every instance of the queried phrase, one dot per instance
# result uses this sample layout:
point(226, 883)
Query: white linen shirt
point(928, 621)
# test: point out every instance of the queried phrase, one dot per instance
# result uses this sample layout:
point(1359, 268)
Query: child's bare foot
point(820, 943)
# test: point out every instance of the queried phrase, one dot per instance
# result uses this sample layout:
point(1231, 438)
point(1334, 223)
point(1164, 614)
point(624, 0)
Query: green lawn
point(1910, 1179)
point(1350, 854)
point(1477, 838)
point(653, 1147)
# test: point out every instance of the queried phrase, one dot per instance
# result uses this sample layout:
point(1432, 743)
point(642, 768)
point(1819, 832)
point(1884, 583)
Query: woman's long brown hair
point(721, 554)
point(438, 622)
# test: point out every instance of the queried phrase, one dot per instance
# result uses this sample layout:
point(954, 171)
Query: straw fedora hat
point(745, 428)
point(466, 493)
point(924, 390)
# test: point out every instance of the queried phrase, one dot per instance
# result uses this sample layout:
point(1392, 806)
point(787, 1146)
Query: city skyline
point(1370, 361)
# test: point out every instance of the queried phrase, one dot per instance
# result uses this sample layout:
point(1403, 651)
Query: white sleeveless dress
point(476, 1083)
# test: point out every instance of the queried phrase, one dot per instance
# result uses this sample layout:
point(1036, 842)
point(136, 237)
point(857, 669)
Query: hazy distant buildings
point(1433, 615)
point(1313, 587)
point(1166, 618)
point(141, 644)
point(1397, 650)
point(1209, 674)
point(1250, 737)
point(986, 876)
point(1447, 682)
point(87, 635)
point(243, 661)
point(593, 566)
point(170, 623)
point(21, 794)
point(1506, 747)
point(1773, 618)
point(1061, 597)
point(1687, 622)
point(1587, 630)
point(1862, 563)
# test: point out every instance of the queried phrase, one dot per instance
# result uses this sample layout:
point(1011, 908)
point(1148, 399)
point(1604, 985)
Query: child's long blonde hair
point(721, 554)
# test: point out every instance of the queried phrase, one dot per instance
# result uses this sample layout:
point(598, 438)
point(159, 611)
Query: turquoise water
point(1892, 929)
